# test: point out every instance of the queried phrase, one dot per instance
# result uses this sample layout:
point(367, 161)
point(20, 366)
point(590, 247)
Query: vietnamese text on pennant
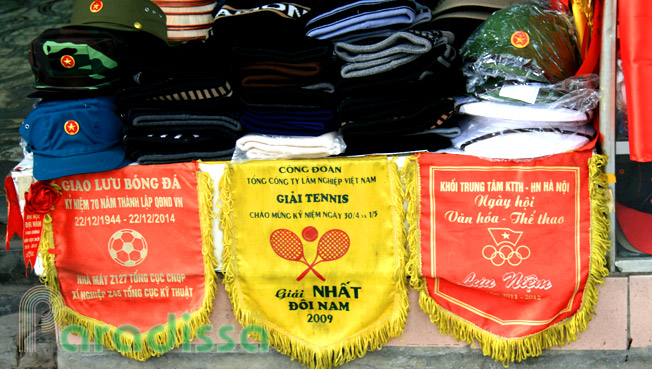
point(314, 251)
point(128, 255)
point(507, 253)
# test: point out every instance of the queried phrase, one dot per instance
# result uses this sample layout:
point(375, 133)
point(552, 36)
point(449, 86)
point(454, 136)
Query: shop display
point(144, 107)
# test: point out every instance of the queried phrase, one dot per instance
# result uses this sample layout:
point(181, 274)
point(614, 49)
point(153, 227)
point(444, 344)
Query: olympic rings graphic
point(505, 253)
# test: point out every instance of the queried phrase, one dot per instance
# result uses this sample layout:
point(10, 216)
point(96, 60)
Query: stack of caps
point(75, 128)
point(187, 19)
point(284, 79)
point(391, 75)
point(499, 130)
point(527, 103)
point(179, 110)
point(86, 54)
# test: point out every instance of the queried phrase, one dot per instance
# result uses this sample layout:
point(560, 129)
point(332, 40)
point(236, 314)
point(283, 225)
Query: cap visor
point(49, 167)
point(634, 224)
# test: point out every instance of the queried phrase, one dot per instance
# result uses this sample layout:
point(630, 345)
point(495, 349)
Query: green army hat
point(525, 41)
point(121, 15)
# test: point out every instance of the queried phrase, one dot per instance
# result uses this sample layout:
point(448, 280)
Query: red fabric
point(14, 218)
point(633, 223)
point(511, 261)
point(634, 18)
point(591, 59)
point(85, 225)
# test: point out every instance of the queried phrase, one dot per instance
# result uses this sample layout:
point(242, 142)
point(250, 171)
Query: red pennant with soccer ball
point(128, 249)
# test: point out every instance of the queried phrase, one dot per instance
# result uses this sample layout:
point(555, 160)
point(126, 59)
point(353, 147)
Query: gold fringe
point(349, 349)
point(515, 350)
point(412, 181)
point(130, 345)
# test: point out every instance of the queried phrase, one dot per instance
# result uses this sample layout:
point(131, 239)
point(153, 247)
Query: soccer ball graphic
point(127, 247)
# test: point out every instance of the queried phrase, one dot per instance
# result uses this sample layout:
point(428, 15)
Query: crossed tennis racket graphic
point(331, 246)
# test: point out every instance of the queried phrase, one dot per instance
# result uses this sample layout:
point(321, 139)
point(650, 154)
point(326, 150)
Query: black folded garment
point(397, 101)
point(155, 145)
point(385, 144)
point(401, 121)
point(304, 50)
point(189, 60)
point(290, 98)
point(259, 22)
point(288, 122)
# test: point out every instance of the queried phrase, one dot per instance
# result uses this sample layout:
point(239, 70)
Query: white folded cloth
point(267, 147)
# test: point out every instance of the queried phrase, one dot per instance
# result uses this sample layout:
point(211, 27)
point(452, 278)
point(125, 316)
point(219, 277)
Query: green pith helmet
point(121, 15)
point(525, 42)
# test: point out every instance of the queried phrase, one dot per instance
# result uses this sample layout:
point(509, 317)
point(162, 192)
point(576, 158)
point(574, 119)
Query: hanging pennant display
point(129, 253)
point(507, 253)
point(39, 201)
point(314, 253)
point(14, 217)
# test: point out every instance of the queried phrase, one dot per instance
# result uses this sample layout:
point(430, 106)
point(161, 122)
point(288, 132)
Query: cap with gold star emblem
point(80, 59)
point(121, 15)
point(525, 42)
point(74, 136)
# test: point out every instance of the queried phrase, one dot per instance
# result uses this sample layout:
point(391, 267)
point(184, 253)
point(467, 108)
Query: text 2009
point(320, 318)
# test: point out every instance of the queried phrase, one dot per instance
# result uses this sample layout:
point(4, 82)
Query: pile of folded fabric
point(393, 70)
point(75, 128)
point(178, 110)
point(283, 79)
point(528, 99)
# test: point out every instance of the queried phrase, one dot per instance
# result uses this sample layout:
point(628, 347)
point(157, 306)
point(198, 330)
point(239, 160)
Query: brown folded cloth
point(280, 74)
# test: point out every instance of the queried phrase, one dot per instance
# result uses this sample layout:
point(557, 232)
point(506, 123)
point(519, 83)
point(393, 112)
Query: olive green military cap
point(121, 15)
point(525, 40)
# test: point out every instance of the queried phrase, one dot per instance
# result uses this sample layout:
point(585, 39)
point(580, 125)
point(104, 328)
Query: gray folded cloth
point(364, 58)
point(187, 120)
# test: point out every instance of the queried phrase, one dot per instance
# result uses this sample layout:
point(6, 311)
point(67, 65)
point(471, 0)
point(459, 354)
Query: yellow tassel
point(411, 180)
point(515, 350)
point(129, 346)
point(303, 352)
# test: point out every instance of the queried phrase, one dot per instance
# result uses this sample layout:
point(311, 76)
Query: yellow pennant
point(314, 252)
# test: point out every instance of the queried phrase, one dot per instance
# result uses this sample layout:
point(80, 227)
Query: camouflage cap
point(122, 15)
point(70, 58)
